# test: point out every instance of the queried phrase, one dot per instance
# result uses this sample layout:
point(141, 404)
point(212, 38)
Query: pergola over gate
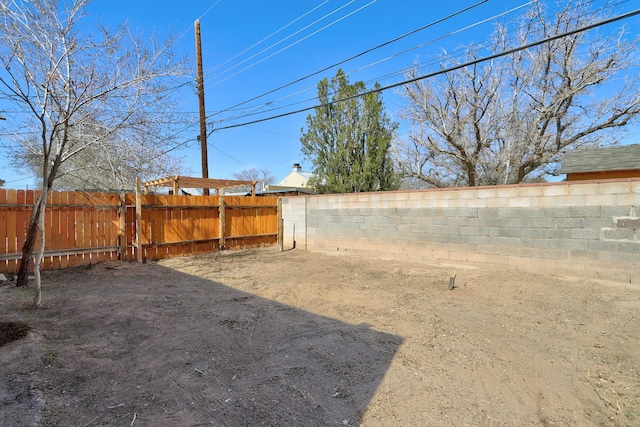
point(176, 182)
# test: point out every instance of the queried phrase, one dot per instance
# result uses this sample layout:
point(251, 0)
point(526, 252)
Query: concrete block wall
point(294, 222)
point(589, 228)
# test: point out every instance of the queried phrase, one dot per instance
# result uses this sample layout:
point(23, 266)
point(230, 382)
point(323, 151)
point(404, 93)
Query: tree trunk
point(37, 214)
point(37, 299)
point(29, 243)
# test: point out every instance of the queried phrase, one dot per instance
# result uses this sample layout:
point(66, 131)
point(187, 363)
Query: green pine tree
point(348, 141)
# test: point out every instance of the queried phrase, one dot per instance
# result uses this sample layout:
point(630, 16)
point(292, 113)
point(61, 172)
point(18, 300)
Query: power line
point(404, 70)
point(208, 10)
point(278, 42)
point(395, 73)
point(446, 70)
point(271, 35)
point(457, 53)
point(368, 65)
point(294, 43)
point(315, 73)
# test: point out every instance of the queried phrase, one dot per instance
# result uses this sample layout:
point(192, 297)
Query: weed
point(50, 357)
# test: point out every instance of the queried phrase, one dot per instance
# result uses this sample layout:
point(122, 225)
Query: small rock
point(3, 278)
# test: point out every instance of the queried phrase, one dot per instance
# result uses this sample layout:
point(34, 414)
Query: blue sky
point(243, 58)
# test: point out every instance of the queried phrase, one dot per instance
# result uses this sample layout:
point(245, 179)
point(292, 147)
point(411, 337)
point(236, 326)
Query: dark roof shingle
point(623, 157)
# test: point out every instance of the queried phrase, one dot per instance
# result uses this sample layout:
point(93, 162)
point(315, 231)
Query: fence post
point(280, 225)
point(223, 221)
point(122, 223)
point(138, 221)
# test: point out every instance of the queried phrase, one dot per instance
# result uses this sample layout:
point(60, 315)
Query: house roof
point(304, 176)
point(624, 157)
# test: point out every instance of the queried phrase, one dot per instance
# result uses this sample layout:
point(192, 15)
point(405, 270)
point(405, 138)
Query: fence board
point(12, 217)
point(3, 229)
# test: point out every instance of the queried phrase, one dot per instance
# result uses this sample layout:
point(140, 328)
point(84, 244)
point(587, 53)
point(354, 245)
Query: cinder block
point(542, 223)
point(546, 244)
point(479, 240)
point(582, 189)
point(468, 212)
point(557, 254)
point(616, 211)
point(567, 201)
point(530, 253)
point(470, 231)
point(530, 191)
point(602, 245)
point(569, 222)
point(598, 223)
point(510, 232)
point(617, 187)
point(601, 200)
point(618, 234)
point(632, 247)
point(491, 231)
point(584, 211)
point(556, 212)
point(572, 245)
point(487, 192)
point(627, 199)
point(589, 256)
point(585, 233)
point(522, 202)
point(533, 212)
point(555, 190)
point(508, 192)
point(616, 258)
point(491, 222)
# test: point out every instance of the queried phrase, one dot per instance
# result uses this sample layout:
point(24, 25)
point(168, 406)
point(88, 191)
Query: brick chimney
point(297, 167)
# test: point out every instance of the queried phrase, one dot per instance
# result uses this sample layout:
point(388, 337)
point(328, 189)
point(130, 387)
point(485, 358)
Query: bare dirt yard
point(296, 338)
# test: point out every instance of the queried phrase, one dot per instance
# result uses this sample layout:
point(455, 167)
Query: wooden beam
point(138, 221)
point(223, 220)
point(122, 223)
point(280, 226)
point(192, 182)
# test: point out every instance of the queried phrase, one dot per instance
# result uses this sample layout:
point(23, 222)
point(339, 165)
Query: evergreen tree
point(348, 139)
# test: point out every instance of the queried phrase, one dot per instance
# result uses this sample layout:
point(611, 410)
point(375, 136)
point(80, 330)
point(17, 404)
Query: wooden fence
point(85, 228)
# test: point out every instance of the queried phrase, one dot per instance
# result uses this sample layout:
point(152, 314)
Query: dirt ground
point(296, 338)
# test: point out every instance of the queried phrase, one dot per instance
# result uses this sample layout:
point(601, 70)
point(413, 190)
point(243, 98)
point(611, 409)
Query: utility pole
point(203, 115)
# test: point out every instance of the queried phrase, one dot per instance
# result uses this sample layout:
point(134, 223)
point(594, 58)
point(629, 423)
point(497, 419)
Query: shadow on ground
point(149, 346)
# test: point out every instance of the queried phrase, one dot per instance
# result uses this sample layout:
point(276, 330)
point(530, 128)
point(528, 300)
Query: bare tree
point(108, 166)
point(511, 119)
point(65, 78)
point(262, 176)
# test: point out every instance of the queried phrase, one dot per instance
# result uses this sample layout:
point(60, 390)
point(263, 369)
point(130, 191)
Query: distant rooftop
point(623, 157)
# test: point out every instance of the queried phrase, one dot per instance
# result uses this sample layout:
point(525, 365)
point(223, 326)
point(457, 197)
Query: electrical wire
point(446, 70)
point(294, 43)
point(277, 43)
point(271, 35)
point(457, 53)
point(370, 64)
point(358, 55)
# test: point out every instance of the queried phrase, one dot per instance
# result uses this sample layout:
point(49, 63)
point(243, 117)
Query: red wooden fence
point(85, 228)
